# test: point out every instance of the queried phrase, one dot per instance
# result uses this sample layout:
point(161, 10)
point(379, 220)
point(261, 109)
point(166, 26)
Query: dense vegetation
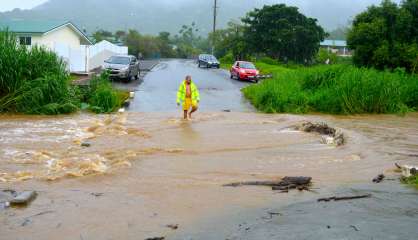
point(35, 81)
point(386, 36)
point(186, 44)
point(338, 89)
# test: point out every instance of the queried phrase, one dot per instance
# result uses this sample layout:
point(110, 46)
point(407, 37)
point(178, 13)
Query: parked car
point(208, 61)
point(122, 67)
point(245, 71)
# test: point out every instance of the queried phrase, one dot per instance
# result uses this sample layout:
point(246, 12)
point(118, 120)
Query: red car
point(245, 71)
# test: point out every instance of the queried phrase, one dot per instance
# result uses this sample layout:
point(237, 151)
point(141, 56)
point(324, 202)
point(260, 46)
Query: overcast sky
point(6, 5)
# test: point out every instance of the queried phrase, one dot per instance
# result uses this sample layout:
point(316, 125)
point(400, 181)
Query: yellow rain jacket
point(181, 93)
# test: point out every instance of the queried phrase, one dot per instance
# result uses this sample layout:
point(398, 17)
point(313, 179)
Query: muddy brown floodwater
point(144, 171)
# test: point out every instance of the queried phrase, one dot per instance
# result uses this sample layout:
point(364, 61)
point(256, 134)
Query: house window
point(27, 41)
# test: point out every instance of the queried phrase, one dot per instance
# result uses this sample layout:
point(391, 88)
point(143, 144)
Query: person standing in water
point(189, 96)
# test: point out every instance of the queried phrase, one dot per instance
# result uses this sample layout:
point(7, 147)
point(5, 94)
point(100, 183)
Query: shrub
point(101, 96)
point(324, 55)
point(227, 59)
point(269, 61)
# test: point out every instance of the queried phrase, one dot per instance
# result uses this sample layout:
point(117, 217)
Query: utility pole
point(215, 12)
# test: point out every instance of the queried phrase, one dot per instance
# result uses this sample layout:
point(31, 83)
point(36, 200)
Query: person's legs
point(194, 109)
point(185, 114)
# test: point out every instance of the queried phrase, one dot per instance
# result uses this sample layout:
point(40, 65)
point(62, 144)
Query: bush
point(101, 96)
point(227, 59)
point(338, 89)
point(34, 80)
point(268, 60)
point(324, 55)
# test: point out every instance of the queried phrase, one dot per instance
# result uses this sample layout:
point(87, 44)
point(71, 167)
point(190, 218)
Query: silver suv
point(122, 67)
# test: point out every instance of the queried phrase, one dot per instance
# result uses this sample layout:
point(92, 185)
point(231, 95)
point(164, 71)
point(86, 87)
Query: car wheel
point(231, 76)
point(256, 81)
point(198, 65)
point(137, 76)
point(128, 78)
point(238, 77)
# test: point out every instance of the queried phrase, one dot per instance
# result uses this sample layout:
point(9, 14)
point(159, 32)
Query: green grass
point(413, 180)
point(337, 89)
point(35, 81)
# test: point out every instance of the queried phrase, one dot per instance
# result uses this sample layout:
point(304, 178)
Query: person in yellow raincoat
point(188, 94)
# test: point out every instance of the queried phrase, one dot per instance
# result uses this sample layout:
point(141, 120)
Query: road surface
point(157, 91)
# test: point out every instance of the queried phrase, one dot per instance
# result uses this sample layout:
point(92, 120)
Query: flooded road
point(217, 92)
point(146, 169)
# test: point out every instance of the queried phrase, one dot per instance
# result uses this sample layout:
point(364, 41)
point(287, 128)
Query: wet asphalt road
point(157, 91)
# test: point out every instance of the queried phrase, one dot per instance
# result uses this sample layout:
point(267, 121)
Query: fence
point(88, 58)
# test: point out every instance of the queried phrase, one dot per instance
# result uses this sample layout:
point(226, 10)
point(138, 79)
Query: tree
point(101, 35)
point(386, 36)
point(164, 42)
point(283, 33)
point(120, 35)
point(188, 43)
point(230, 40)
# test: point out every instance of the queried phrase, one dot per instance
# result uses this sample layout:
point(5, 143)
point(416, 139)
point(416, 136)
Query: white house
point(338, 47)
point(65, 39)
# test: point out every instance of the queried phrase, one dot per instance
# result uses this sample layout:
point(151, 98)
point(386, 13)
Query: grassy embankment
point(336, 89)
point(413, 180)
point(35, 81)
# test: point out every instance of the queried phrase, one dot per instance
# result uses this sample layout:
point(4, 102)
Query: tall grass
point(338, 89)
point(33, 81)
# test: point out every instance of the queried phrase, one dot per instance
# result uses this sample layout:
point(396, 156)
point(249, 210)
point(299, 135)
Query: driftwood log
point(302, 183)
point(344, 198)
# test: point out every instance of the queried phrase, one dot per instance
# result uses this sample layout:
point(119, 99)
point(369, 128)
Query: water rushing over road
point(145, 170)
point(153, 169)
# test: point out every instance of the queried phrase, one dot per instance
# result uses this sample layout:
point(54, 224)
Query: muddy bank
point(151, 170)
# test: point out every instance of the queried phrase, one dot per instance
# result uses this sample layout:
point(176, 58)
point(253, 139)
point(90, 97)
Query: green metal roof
point(38, 26)
point(33, 26)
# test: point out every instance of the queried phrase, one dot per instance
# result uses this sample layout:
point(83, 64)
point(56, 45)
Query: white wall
point(64, 35)
point(102, 51)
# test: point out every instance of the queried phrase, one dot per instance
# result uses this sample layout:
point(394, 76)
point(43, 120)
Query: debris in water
point(131, 94)
point(155, 238)
point(301, 183)
point(85, 144)
point(97, 194)
point(126, 104)
point(121, 110)
point(354, 227)
point(226, 110)
point(24, 198)
point(173, 226)
point(379, 178)
point(344, 198)
point(331, 135)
